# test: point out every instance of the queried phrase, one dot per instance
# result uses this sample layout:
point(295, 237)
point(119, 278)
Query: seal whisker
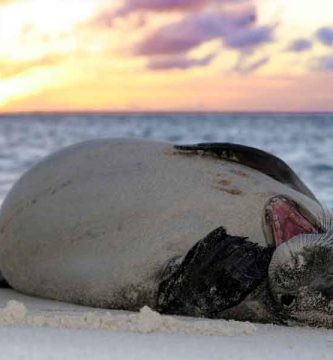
point(325, 222)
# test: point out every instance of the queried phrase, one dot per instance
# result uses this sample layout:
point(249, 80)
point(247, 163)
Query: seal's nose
point(324, 283)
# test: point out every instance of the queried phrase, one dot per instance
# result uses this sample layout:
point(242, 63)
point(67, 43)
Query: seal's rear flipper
point(217, 273)
point(254, 158)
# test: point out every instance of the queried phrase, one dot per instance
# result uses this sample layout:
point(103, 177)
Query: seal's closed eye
point(217, 273)
point(287, 299)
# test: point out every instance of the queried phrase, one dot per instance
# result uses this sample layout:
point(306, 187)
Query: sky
point(166, 55)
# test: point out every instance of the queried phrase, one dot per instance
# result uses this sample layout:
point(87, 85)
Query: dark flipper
point(217, 273)
point(3, 282)
point(255, 159)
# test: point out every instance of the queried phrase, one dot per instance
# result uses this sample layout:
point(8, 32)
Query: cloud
point(195, 29)
point(249, 38)
point(299, 45)
point(160, 5)
point(202, 21)
point(11, 69)
point(168, 5)
point(325, 35)
point(245, 68)
point(4, 3)
point(107, 16)
point(179, 62)
point(323, 63)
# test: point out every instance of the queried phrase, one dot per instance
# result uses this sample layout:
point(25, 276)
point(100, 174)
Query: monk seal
point(216, 230)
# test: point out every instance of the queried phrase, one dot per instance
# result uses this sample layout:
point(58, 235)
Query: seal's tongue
point(286, 220)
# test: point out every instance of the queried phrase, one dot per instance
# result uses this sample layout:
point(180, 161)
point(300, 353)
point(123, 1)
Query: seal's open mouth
point(285, 219)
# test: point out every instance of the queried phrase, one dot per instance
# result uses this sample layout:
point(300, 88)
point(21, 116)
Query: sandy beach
point(36, 329)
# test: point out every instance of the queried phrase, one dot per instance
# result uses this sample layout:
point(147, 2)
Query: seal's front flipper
point(254, 158)
point(217, 273)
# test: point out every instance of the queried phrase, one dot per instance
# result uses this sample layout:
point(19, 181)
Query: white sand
point(32, 328)
point(145, 321)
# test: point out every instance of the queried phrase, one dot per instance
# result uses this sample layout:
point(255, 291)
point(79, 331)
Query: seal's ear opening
point(217, 273)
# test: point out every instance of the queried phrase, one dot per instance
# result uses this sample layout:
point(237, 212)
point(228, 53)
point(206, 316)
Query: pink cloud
point(194, 30)
point(106, 18)
point(179, 62)
point(203, 21)
point(167, 5)
point(245, 67)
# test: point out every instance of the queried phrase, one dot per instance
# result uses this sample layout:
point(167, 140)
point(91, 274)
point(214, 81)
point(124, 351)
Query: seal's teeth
point(294, 218)
point(298, 221)
point(286, 219)
point(268, 213)
point(278, 199)
point(275, 218)
point(277, 228)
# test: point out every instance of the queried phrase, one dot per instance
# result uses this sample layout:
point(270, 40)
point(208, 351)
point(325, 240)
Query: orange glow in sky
point(147, 55)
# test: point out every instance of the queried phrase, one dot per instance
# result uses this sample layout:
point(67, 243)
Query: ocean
point(304, 141)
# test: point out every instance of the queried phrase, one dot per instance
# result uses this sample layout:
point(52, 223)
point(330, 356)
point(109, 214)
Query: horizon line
point(129, 112)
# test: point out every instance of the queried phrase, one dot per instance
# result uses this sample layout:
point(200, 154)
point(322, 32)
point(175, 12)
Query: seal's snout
point(285, 219)
point(301, 279)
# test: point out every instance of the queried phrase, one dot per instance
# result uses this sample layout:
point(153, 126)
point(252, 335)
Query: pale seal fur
point(106, 222)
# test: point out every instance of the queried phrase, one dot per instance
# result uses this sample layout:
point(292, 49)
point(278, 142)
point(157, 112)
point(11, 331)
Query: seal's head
point(301, 269)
